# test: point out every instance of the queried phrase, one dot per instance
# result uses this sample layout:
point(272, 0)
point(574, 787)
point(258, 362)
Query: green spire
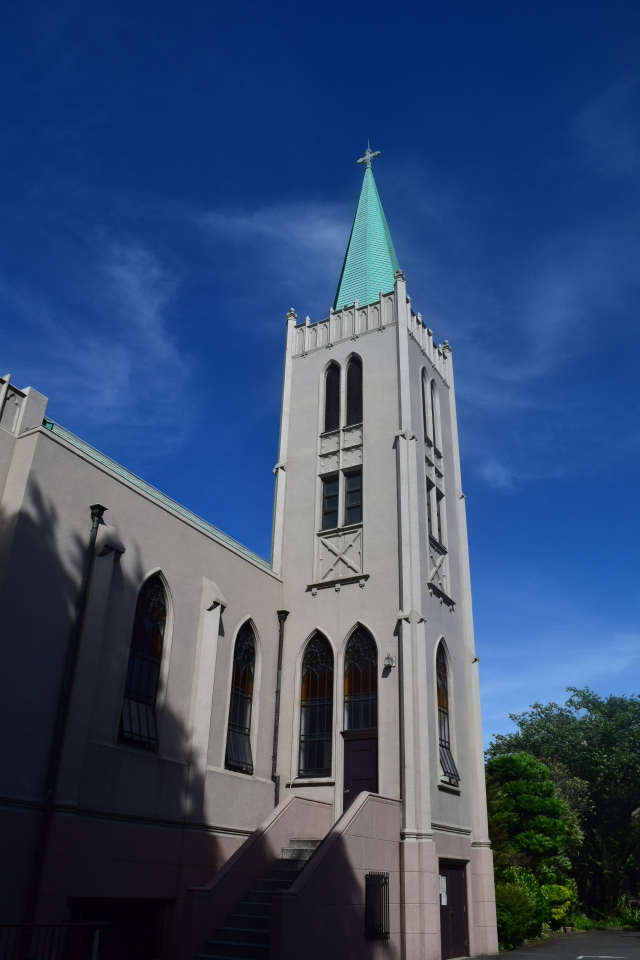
point(370, 262)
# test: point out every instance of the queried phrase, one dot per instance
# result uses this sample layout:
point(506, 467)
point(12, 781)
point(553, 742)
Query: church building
point(206, 754)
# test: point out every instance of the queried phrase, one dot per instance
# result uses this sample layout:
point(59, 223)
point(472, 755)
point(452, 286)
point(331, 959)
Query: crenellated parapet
point(356, 321)
point(346, 324)
point(438, 354)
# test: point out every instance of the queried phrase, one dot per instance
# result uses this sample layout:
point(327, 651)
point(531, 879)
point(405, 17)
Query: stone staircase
point(245, 935)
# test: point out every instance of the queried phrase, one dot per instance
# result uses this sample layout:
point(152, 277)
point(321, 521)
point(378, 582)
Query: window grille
point(353, 497)
point(238, 756)
point(138, 722)
point(354, 392)
point(332, 398)
point(330, 503)
point(376, 906)
point(316, 709)
point(447, 763)
point(361, 682)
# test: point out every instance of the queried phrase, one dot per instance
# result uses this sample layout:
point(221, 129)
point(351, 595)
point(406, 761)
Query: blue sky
point(176, 176)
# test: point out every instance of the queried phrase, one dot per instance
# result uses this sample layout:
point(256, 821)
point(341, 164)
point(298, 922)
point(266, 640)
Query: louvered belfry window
point(316, 708)
point(361, 682)
point(332, 398)
point(239, 730)
point(138, 721)
point(354, 392)
point(434, 414)
point(447, 763)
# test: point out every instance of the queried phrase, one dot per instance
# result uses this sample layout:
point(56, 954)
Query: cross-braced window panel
point(316, 709)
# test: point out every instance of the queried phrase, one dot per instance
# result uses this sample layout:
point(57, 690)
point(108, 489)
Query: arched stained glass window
point(316, 708)
point(361, 682)
point(238, 755)
point(138, 721)
point(447, 763)
point(332, 398)
point(354, 392)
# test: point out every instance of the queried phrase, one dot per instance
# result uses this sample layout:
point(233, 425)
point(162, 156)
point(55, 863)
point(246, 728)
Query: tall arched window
point(447, 763)
point(434, 413)
point(316, 708)
point(138, 721)
point(239, 730)
point(354, 391)
point(332, 398)
point(361, 682)
point(425, 407)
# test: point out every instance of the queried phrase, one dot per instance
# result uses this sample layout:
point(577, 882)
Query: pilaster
point(212, 603)
point(280, 467)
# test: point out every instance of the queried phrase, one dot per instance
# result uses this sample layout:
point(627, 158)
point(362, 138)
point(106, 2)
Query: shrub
point(560, 901)
point(629, 916)
point(513, 914)
point(538, 906)
point(579, 921)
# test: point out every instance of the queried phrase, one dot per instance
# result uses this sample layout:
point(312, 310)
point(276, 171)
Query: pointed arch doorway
point(360, 731)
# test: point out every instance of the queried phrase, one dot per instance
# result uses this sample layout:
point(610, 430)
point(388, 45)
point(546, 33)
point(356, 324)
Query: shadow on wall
point(127, 818)
point(323, 913)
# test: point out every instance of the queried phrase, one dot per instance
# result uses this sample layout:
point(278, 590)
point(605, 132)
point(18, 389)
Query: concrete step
point(270, 885)
point(250, 921)
point(292, 858)
point(242, 933)
point(285, 874)
point(313, 844)
point(240, 950)
point(255, 909)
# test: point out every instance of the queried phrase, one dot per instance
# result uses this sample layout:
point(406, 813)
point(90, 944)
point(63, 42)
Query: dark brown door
point(360, 766)
point(453, 911)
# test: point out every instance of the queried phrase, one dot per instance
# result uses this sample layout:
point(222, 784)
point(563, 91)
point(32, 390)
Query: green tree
point(529, 823)
point(592, 745)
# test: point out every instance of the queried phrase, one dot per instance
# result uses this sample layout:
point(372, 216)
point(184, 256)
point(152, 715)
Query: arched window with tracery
point(354, 392)
point(447, 763)
point(361, 682)
point(332, 398)
point(316, 708)
point(238, 756)
point(138, 720)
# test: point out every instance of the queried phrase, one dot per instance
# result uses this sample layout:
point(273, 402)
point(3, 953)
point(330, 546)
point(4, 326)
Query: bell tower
point(379, 669)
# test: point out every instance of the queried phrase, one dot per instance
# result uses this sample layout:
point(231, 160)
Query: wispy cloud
point(537, 665)
point(608, 130)
point(108, 357)
point(496, 474)
point(299, 247)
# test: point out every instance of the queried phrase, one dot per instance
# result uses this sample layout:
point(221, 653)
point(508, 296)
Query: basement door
point(454, 939)
point(360, 765)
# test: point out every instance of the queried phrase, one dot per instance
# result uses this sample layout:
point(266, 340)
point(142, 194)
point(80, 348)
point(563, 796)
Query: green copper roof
point(370, 261)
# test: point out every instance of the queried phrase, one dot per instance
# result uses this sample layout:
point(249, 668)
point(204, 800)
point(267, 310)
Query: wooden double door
point(360, 763)
point(454, 936)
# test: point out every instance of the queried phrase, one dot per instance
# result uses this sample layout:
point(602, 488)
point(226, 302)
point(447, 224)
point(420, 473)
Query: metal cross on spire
point(369, 155)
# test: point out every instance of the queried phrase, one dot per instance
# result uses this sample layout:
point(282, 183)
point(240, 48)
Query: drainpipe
point(57, 741)
point(282, 616)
